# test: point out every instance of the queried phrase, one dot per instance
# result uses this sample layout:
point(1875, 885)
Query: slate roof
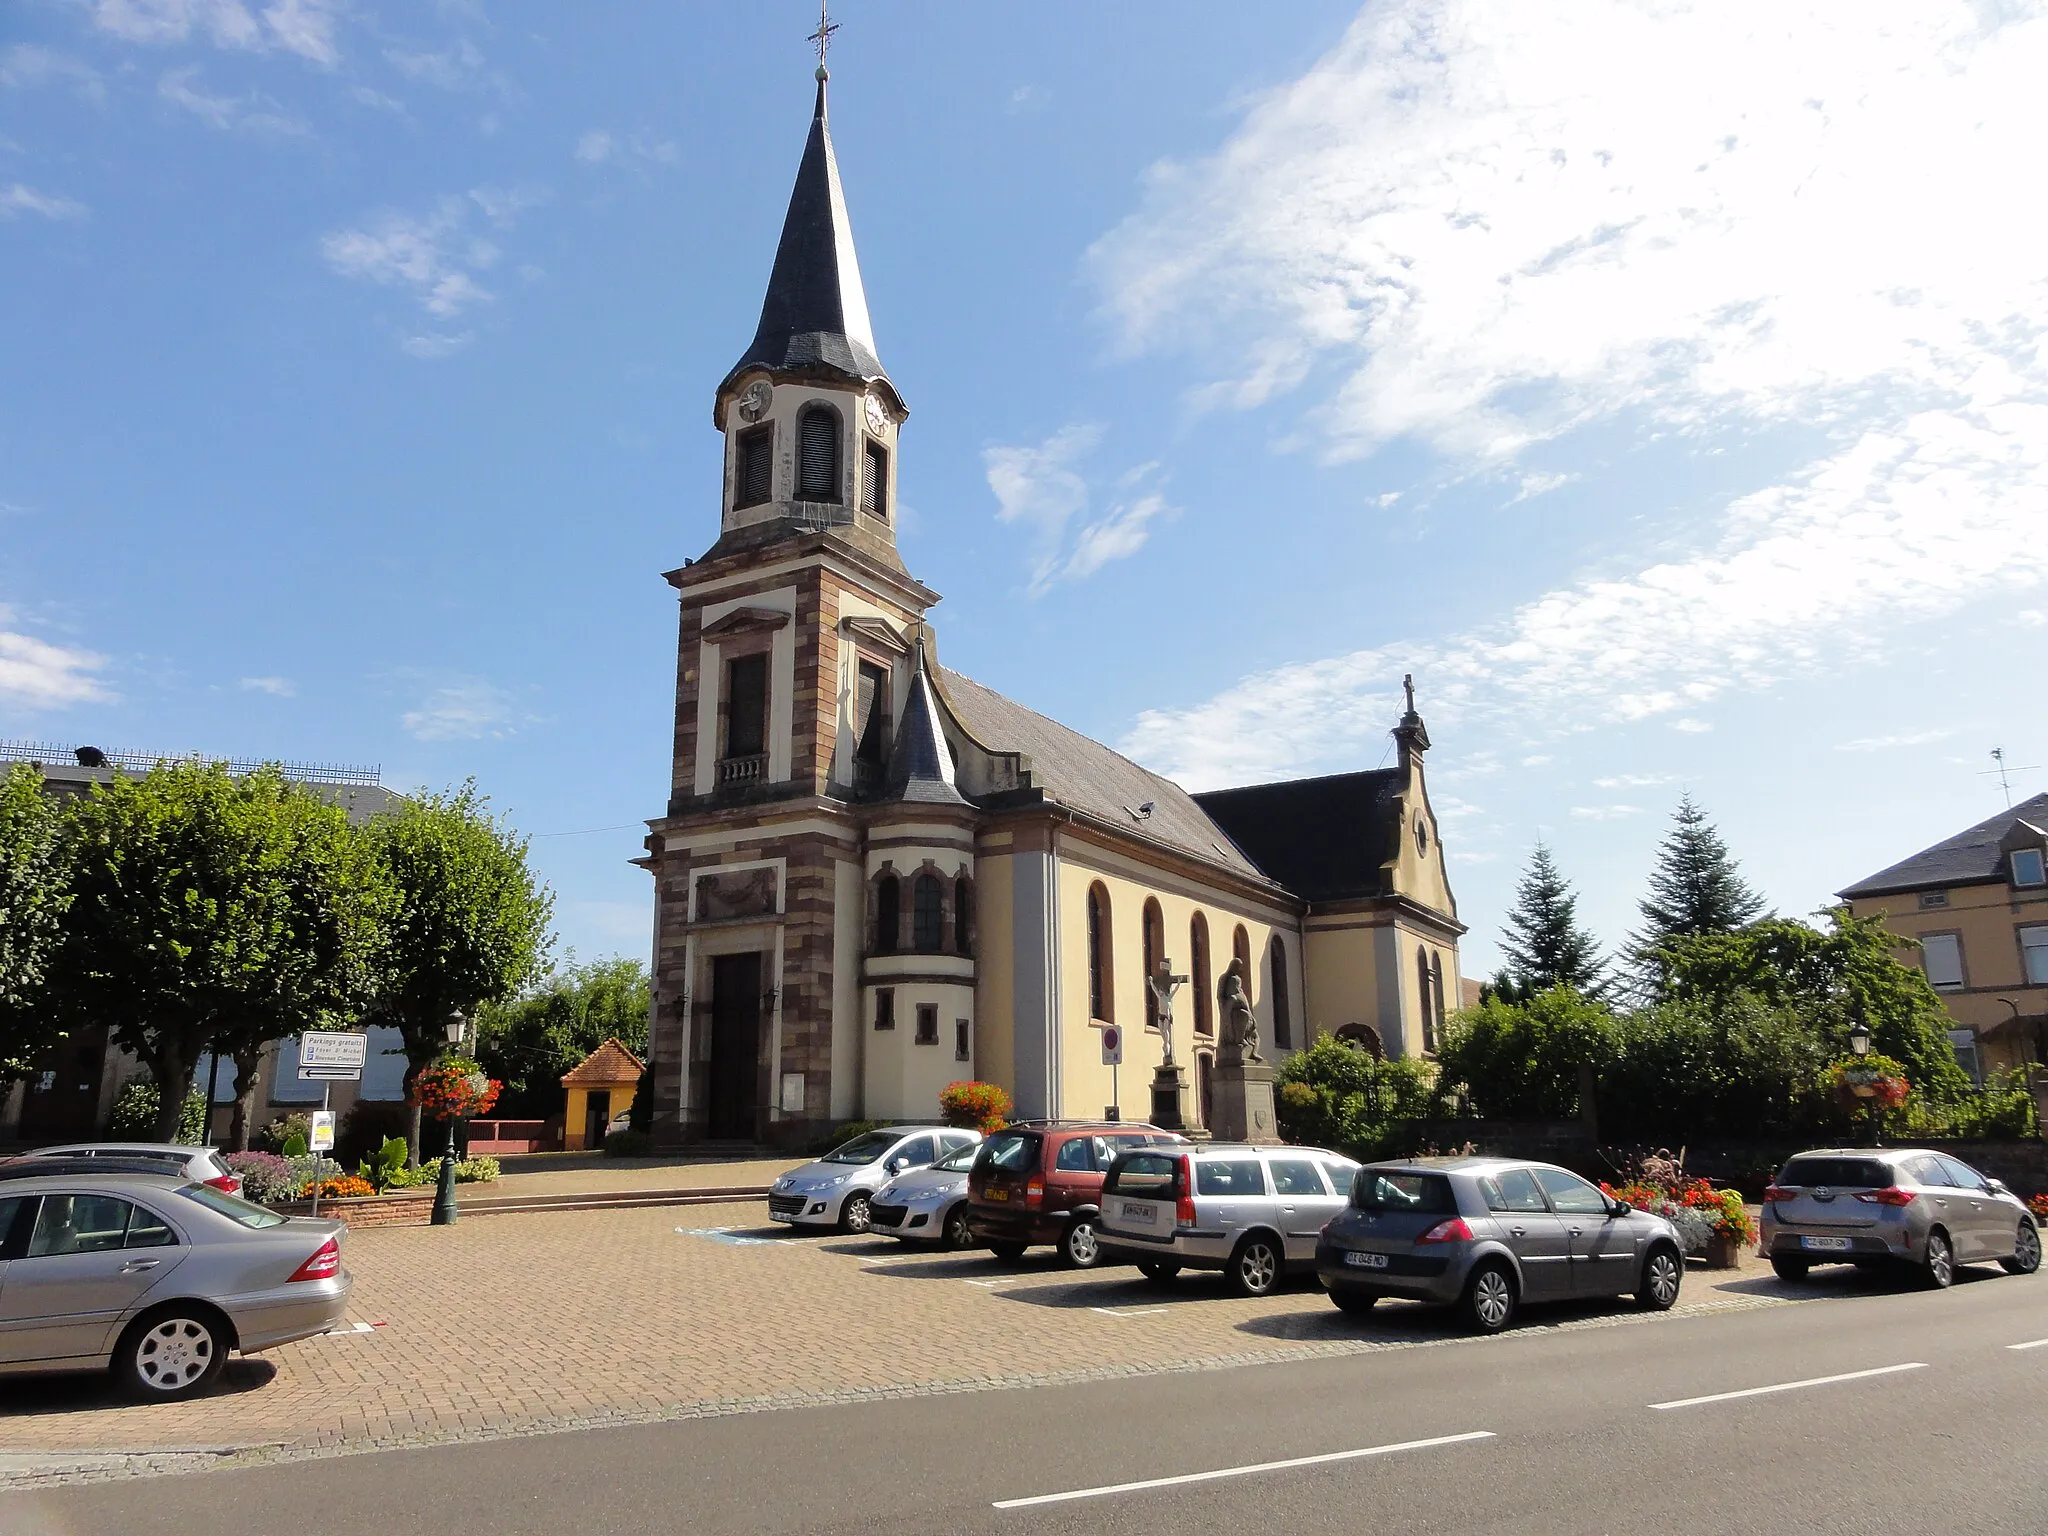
point(1075, 771)
point(610, 1063)
point(1971, 857)
point(815, 316)
point(921, 765)
point(1324, 839)
point(359, 801)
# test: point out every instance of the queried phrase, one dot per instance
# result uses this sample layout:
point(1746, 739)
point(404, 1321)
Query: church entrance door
point(735, 1046)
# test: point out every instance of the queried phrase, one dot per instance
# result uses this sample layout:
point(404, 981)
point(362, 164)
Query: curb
point(624, 1199)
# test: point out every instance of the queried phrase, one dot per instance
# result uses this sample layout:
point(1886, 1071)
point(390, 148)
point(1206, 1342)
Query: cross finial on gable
point(1408, 686)
point(823, 36)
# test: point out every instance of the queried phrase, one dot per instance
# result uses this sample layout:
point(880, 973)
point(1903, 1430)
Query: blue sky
point(1662, 385)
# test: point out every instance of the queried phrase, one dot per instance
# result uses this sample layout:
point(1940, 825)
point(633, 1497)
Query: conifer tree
point(1544, 943)
point(1696, 888)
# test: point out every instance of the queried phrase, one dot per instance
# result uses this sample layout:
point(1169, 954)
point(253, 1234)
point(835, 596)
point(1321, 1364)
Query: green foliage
point(1333, 1094)
point(2004, 1110)
point(839, 1135)
point(35, 891)
point(476, 1170)
point(1521, 1060)
point(272, 1137)
point(628, 1144)
point(1694, 1068)
point(387, 1169)
point(211, 911)
point(135, 1116)
point(1696, 888)
point(529, 1041)
point(1544, 943)
point(295, 1145)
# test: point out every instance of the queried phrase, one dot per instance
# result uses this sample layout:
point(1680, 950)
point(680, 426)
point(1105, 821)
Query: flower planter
point(399, 1208)
point(1721, 1251)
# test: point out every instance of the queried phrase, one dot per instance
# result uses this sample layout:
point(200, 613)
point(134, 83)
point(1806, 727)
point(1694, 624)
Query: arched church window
point(817, 443)
point(927, 915)
point(1101, 981)
point(1154, 947)
point(1241, 952)
point(1198, 975)
point(888, 913)
point(1423, 997)
point(1276, 989)
point(963, 916)
point(1436, 992)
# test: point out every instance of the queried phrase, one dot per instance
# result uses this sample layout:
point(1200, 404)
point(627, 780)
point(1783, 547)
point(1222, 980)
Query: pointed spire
point(815, 316)
point(921, 766)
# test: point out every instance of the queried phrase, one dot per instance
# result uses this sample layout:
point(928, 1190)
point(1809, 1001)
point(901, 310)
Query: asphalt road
point(1941, 1424)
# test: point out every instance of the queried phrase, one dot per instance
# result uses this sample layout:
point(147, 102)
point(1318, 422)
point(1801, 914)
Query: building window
point(888, 913)
point(1154, 947)
point(1101, 981)
point(870, 721)
point(746, 706)
point(2034, 955)
point(1198, 973)
point(1436, 995)
point(1929, 900)
point(963, 1041)
point(817, 444)
point(874, 481)
point(1276, 989)
point(753, 479)
point(963, 916)
point(1422, 996)
point(885, 1007)
point(1941, 956)
point(927, 919)
point(2027, 867)
point(1964, 1043)
point(927, 1025)
point(1241, 952)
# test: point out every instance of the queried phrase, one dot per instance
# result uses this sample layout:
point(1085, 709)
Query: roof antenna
point(823, 38)
point(2004, 772)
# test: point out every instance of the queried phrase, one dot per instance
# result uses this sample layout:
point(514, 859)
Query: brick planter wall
point(401, 1208)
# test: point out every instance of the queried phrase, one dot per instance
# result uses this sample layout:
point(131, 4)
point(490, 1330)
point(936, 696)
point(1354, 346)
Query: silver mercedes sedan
point(1486, 1234)
point(153, 1275)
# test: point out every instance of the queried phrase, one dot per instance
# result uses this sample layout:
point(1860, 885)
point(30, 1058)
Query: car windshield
point(249, 1215)
point(1836, 1172)
point(864, 1149)
point(1387, 1189)
point(959, 1161)
point(1012, 1151)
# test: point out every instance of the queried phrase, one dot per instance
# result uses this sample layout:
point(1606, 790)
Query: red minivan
point(1040, 1181)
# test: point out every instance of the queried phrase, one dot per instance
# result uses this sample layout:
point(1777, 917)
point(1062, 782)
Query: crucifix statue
point(1164, 984)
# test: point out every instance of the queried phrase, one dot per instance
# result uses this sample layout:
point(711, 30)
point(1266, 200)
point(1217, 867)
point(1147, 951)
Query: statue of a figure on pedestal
point(1164, 984)
point(1239, 1040)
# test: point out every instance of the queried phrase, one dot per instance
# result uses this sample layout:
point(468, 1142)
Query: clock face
point(878, 419)
point(755, 399)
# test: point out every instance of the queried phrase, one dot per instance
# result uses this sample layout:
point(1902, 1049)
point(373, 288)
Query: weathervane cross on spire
point(823, 36)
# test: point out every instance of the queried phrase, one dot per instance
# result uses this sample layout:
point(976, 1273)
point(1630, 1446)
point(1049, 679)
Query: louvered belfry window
point(753, 481)
point(817, 476)
point(874, 481)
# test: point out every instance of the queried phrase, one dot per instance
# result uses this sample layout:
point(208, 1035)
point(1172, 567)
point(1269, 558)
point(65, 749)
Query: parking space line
point(1793, 1386)
point(2030, 1344)
point(1261, 1466)
point(1130, 1311)
point(999, 1280)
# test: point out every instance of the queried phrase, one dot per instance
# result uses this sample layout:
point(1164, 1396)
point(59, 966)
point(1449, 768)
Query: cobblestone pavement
point(568, 1319)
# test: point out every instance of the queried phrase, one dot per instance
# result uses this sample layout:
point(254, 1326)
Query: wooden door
point(735, 1075)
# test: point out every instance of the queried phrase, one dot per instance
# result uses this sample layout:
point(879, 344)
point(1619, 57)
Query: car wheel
point(1489, 1300)
point(1256, 1267)
point(171, 1354)
point(856, 1216)
point(1008, 1253)
point(954, 1233)
point(1079, 1248)
point(2026, 1251)
point(1663, 1274)
point(1790, 1268)
point(1158, 1271)
point(1939, 1267)
point(1355, 1300)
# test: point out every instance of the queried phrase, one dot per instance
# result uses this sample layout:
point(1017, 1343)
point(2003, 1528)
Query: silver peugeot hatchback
point(1486, 1234)
point(1902, 1207)
point(1252, 1212)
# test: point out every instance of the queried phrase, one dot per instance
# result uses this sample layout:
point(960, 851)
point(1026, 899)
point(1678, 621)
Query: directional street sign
point(333, 1055)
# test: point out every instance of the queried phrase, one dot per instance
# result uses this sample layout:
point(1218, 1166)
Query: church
point(875, 876)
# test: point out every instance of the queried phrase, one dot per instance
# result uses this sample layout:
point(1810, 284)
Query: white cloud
point(276, 687)
point(595, 147)
point(1042, 488)
point(435, 345)
point(1121, 532)
point(1533, 485)
point(1882, 743)
point(467, 709)
point(34, 673)
point(2032, 618)
point(1634, 780)
point(1496, 224)
point(18, 199)
point(26, 65)
point(303, 27)
point(1537, 760)
point(251, 114)
point(438, 255)
point(1691, 727)
point(1605, 812)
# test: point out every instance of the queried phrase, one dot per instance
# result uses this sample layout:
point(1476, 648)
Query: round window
point(1421, 834)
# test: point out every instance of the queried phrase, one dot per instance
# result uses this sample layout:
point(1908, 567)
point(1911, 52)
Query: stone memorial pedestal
point(1170, 1098)
point(1244, 1104)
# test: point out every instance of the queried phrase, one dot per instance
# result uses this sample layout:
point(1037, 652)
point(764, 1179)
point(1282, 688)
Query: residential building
point(1975, 908)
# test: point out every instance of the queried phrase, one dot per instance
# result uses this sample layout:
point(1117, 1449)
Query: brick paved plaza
point(552, 1320)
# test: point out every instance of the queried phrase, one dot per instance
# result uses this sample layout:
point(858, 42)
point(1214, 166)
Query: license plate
point(1141, 1214)
point(1366, 1260)
point(996, 1194)
point(1826, 1244)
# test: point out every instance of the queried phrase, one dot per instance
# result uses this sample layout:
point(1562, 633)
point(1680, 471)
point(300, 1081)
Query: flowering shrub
point(335, 1189)
point(1875, 1080)
point(2039, 1206)
point(265, 1176)
point(477, 1170)
point(454, 1088)
point(1693, 1206)
point(979, 1106)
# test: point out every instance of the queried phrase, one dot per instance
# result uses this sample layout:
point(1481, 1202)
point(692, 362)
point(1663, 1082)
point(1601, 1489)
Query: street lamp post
point(444, 1187)
point(1859, 1046)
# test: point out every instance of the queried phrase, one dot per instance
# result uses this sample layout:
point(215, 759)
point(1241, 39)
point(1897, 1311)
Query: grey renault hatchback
point(1486, 1234)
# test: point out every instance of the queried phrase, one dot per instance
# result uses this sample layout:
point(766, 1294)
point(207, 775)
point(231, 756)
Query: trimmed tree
point(469, 922)
point(531, 1040)
point(1544, 943)
point(212, 912)
point(1696, 888)
point(34, 893)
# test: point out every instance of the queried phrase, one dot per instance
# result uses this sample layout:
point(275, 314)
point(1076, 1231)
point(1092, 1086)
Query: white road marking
point(991, 1284)
point(1130, 1311)
point(1262, 1466)
point(1794, 1386)
point(2030, 1344)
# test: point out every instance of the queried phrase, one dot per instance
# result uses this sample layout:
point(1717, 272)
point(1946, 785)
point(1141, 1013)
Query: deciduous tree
point(34, 893)
point(529, 1041)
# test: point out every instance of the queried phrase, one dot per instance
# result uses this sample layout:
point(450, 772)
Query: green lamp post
point(444, 1187)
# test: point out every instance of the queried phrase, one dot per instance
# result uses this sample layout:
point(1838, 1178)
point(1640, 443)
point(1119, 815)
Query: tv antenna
point(2004, 772)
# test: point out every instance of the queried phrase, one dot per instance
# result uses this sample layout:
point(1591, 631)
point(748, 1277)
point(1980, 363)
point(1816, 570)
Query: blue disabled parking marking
point(726, 1235)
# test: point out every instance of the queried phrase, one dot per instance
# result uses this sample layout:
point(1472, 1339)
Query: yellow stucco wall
point(1987, 919)
point(579, 1108)
point(995, 968)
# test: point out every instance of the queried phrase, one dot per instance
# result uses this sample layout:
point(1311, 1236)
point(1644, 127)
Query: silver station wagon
point(1485, 1234)
point(1252, 1212)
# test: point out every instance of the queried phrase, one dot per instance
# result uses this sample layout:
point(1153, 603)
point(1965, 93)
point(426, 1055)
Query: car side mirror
point(898, 1164)
point(1997, 1186)
point(1619, 1208)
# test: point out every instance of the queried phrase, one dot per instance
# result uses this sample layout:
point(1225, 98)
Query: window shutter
point(870, 715)
point(818, 456)
point(757, 460)
point(874, 481)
